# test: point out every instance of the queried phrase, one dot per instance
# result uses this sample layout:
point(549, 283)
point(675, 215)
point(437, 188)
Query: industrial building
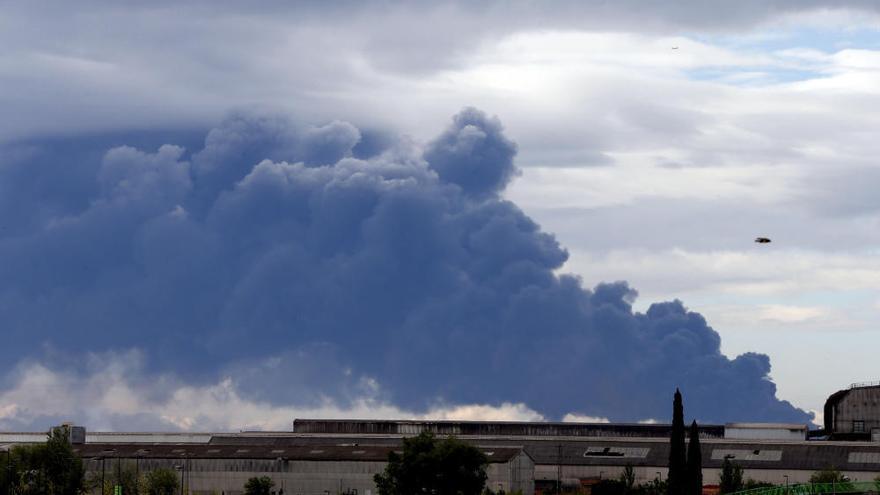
point(333, 457)
point(295, 469)
point(570, 453)
point(322, 457)
point(854, 413)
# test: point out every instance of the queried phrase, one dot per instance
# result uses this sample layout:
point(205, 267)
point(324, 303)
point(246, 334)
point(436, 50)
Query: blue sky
point(214, 216)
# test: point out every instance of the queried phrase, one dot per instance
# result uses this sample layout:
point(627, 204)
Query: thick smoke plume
point(301, 261)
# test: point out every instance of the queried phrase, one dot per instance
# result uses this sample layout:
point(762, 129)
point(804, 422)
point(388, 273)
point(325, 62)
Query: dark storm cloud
point(275, 254)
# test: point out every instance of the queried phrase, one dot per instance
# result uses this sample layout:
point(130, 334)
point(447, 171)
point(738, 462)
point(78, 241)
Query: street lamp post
point(102, 475)
point(179, 468)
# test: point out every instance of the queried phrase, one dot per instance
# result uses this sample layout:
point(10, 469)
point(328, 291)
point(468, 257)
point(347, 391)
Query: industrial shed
point(854, 413)
point(771, 461)
point(767, 452)
point(492, 428)
point(346, 468)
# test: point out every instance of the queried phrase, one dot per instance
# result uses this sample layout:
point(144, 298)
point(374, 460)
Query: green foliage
point(259, 486)
point(828, 475)
point(39, 469)
point(731, 479)
point(694, 482)
point(162, 481)
point(117, 472)
point(677, 478)
point(431, 467)
point(628, 478)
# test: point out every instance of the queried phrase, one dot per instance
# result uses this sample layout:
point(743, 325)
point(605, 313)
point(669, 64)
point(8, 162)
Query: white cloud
point(818, 417)
point(505, 412)
point(579, 418)
point(114, 395)
point(790, 314)
point(752, 273)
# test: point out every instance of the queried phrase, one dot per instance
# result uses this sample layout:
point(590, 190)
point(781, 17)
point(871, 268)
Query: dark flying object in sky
point(675, 48)
point(762, 240)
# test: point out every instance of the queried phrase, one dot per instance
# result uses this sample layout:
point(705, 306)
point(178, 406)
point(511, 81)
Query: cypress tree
point(694, 462)
point(676, 480)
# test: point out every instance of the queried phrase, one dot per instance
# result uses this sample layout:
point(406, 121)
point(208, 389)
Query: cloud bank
point(297, 268)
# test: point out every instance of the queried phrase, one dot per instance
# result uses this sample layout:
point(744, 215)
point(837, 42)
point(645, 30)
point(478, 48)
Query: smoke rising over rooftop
point(401, 269)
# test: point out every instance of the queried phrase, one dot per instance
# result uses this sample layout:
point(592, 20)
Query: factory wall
point(228, 476)
point(855, 411)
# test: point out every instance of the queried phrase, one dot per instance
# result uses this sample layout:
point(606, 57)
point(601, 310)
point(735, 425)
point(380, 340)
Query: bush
point(828, 475)
point(259, 486)
point(162, 481)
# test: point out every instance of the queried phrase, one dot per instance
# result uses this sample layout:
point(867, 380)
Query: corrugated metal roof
point(351, 452)
point(768, 426)
point(803, 455)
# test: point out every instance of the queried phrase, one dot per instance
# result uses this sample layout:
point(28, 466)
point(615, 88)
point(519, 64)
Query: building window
point(858, 427)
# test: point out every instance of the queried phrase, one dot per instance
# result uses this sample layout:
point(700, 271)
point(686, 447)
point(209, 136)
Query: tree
point(51, 467)
point(676, 480)
point(431, 467)
point(259, 486)
point(162, 481)
point(628, 478)
point(694, 462)
point(731, 479)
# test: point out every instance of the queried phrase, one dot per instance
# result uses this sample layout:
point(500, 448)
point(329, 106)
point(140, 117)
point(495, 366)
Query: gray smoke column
point(401, 264)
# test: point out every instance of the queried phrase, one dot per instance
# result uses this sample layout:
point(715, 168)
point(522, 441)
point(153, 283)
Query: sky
point(222, 216)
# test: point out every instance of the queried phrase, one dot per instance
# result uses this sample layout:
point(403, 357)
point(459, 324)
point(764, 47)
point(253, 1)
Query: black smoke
point(340, 254)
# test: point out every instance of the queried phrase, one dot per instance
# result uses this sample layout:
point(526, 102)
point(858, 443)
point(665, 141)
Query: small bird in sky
point(762, 240)
point(675, 48)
